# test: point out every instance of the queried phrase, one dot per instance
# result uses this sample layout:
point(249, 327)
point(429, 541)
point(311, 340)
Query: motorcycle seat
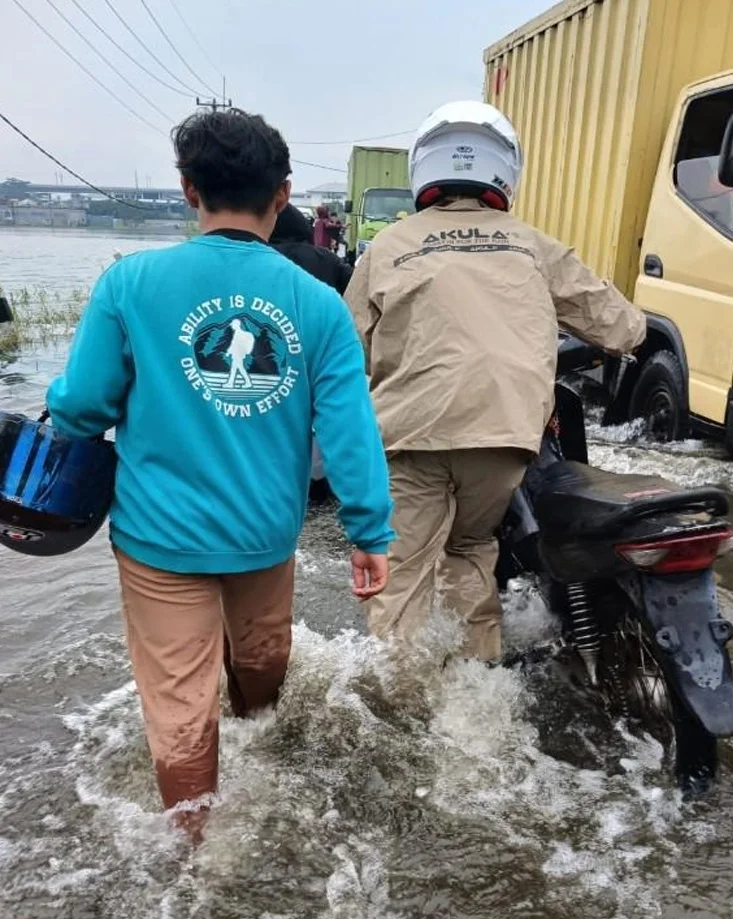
point(575, 500)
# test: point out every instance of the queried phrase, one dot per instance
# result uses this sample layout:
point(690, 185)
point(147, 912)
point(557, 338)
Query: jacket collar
point(463, 204)
point(242, 236)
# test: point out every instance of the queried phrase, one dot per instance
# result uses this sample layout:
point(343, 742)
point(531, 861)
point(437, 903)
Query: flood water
point(384, 788)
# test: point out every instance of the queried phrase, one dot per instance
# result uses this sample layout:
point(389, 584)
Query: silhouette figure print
point(240, 348)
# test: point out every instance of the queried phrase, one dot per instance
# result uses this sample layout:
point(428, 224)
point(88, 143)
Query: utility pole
point(214, 105)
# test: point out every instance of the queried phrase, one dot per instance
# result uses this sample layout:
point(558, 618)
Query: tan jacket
point(459, 308)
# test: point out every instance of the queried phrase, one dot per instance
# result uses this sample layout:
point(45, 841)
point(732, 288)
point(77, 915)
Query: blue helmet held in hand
point(55, 491)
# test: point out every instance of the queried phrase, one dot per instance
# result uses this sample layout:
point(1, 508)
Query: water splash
point(385, 786)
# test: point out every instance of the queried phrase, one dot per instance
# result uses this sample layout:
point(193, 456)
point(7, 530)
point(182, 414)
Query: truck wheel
point(659, 397)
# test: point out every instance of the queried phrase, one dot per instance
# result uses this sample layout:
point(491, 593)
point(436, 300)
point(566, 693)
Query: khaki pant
point(447, 506)
point(176, 640)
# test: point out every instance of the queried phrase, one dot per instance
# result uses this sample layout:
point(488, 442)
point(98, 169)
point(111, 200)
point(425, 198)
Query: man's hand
point(370, 573)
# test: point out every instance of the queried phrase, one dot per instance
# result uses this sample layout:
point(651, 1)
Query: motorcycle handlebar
point(575, 355)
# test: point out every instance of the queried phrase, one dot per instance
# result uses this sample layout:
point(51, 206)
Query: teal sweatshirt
point(215, 360)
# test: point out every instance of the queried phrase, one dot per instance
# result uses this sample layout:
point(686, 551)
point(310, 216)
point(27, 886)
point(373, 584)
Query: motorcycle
point(626, 563)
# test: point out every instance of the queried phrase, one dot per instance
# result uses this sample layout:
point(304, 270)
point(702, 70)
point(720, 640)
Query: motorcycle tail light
point(642, 557)
point(677, 554)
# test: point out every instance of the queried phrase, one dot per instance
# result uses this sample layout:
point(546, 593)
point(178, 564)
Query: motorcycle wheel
point(635, 686)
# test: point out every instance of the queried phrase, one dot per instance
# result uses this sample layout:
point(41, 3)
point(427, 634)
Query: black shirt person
point(293, 237)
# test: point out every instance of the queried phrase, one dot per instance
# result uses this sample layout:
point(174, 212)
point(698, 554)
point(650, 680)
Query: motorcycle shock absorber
point(619, 690)
point(585, 628)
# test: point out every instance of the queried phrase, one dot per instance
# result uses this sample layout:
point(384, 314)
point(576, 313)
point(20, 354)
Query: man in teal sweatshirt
point(215, 360)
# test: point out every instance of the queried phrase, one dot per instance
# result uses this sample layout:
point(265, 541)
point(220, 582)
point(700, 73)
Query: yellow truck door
point(687, 251)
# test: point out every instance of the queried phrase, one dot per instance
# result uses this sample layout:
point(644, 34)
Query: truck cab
point(628, 162)
point(377, 209)
point(685, 283)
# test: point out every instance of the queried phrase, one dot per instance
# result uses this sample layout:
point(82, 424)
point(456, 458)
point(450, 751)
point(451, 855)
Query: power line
point(101, 56)
point(175, 50)
point(194, 37)
point(76, 175)
point(336, 143)
point(318, 166)
point(224, 106)
point(152, 54)
point(124, 51)
point(88, 72)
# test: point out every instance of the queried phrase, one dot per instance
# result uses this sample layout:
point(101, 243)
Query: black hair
point(234, 160)
point(292, 226)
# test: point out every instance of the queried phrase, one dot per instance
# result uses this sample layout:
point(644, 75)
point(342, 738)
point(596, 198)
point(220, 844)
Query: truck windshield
point(387, 203)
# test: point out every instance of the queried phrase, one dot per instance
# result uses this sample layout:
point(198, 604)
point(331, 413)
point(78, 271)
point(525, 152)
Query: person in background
point(335, 231)
point(293, 238)
point(215, 360)
point(459, 307)
point(322, 227)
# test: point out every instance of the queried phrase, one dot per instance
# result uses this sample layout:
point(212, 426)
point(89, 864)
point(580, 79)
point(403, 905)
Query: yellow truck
point(625, 112)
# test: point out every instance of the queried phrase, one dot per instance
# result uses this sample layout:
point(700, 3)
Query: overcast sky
point(319, 71)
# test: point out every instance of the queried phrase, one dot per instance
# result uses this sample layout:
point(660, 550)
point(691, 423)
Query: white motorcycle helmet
point(466, 146)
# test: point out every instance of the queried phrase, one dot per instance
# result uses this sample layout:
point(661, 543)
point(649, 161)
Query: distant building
point(330, 192)
point(300, 198)
point(100, 221)
point(29, 215)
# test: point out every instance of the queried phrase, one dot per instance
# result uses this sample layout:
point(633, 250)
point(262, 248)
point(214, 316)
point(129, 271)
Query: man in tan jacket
point(459, 307)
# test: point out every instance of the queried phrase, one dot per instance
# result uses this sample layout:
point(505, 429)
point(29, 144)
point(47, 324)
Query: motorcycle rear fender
point(518, 540)
point(681, 613)
point(520, 521)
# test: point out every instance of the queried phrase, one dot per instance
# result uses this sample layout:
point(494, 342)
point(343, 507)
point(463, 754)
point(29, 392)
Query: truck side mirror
point(725, 163)
point(348, 207)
